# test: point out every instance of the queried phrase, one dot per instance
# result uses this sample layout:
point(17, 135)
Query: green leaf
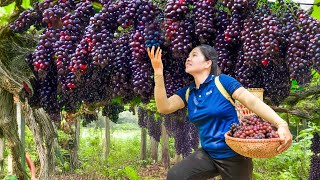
point(26, 4)
point(316, 10)
point(97, 6)
point(11, 178)
point(5, 13)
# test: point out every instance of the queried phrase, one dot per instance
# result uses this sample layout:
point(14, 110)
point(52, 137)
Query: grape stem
point(317, 4)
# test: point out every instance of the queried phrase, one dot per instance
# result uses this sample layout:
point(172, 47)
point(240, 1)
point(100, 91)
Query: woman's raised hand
point(156, 60)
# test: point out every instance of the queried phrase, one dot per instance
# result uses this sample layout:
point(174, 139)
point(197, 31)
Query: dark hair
point(211, 54)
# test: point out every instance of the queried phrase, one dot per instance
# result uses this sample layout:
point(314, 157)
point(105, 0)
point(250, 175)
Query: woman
point(212, 114)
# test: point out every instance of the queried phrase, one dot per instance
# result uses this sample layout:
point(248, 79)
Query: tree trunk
point(9, 128)
point(74, 161)
point(143, 147)
point(1, 154)
point(154, 149)
point(45, 138)
point(165, 147)
point(107, 138)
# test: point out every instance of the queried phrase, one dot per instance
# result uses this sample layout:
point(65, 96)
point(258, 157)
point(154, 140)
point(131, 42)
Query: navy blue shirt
point(212, 113)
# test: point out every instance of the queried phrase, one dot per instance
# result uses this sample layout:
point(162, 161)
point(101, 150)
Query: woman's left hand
point(285, 138)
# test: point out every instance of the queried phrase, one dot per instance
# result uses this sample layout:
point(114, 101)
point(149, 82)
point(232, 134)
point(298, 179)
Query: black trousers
point(201, 166)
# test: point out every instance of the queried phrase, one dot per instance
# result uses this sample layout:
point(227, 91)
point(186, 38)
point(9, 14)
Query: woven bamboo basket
point(253, 148)
point(244, 111)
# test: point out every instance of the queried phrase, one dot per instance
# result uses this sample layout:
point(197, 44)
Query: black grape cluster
point(317, 52)
point(48, 93)
point(121, 76)
point(301, 52)
point(184, 133)
point(239, 10)
point(174, 75)
point(42, 57)
point(154, 126)
point(315, 143)
point(30, 17)
point(145, 14)
point(234, 29)
point(45, 84)
point(269, 39)
point(112, 111)
point(171, 27)
point(51, 16)
point(101, 32)
point(70, 36)
point(276, 82)
point(186, 138)
point(287, 23)
point(26, 19)
point(141, 67)
point(34, 101)
point(126, 20)
point(88, 118)
point(299, 64)
point(142, 117)
point(226, 59)
point(253, 127)
point(137, 14)
point(152, 35)
point(250, 76)
point(314, 167)
point(250, 36)
point(94, 86)
point(310, 27)
point(204, 16)
point(181, 42)
point(96, 44)
point(315, 158)
point(101, 52)
point(176, 10)
point(171, 120)
point(137, 45)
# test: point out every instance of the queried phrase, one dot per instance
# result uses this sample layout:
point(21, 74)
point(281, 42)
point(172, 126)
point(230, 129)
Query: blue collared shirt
point(212, 113)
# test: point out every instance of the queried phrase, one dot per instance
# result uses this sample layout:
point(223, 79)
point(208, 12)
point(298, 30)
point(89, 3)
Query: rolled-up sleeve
point(229, 83)
point(182, 93)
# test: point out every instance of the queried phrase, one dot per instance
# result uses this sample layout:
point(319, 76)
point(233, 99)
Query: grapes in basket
point(253, 127)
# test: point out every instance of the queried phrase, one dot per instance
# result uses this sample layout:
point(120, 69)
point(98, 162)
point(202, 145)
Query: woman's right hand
point(156, 60)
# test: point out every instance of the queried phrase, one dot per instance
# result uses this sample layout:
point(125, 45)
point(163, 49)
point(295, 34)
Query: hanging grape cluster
point(146, 119)
point(88, 118)
point(184, 132)
point(315, 158)
point(112, 111)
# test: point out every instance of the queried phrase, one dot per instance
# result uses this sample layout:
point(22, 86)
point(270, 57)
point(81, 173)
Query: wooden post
point(74, 151)
point(21, 131)
point(107, 138)
point(1, 154)
point(10, 165)
point(154, 149)
point(165, 147)
point(143, 147)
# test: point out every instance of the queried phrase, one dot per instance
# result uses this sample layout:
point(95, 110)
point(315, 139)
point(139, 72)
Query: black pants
point(200, 165)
